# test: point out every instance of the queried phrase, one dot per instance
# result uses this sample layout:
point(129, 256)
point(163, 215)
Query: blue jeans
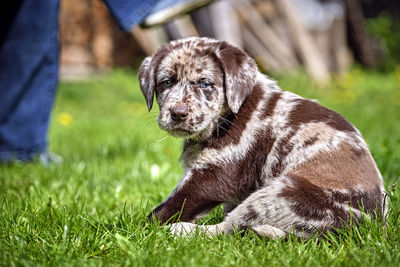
point(28, 77)
point(29, 59)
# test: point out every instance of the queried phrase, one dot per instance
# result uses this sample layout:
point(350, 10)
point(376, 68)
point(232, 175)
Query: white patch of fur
point(183, 229)
point(186, 177)
point(267, 82)
point(280, 131)
point(269, 231)
point(329, 139)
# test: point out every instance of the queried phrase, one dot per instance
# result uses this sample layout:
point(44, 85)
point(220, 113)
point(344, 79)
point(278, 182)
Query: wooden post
point(225, 24)
point(185, 26)
point(340, 53)
point(102, 35)
point(263, 57)
point(172, 31)
point(202, 21)
point(308, 52)
point(266, 35)
point(357, 34)
point(145, 40)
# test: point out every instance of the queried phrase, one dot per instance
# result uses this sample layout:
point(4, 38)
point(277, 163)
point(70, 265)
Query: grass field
point(90, 209)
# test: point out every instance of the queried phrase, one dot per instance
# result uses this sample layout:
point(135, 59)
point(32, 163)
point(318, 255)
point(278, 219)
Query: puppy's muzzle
point(179, 113)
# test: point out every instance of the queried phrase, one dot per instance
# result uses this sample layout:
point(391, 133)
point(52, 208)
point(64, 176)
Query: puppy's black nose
point(179, 113)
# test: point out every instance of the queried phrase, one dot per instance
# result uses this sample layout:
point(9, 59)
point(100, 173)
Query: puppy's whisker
point(226, 131)
point(162, 139)
point(152, 121)
point(225, 119)
point(230, 123)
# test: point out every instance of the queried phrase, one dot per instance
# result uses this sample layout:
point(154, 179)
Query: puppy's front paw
point(182, 229)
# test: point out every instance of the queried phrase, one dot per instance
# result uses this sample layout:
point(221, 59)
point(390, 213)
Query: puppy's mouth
point(177, 129)
point(180, 132)
point(180, 128)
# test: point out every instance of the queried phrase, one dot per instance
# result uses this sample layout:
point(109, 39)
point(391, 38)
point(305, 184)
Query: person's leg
point(29, 55)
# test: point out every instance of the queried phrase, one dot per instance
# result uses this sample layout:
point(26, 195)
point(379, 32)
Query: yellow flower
point(345, 80)
point(64, 119)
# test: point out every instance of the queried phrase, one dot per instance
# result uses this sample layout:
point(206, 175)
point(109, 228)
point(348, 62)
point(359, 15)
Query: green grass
point(90, 209)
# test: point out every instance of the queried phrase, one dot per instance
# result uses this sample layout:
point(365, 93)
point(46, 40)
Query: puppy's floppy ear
point(147, 74)
point(147, 81)
point(240, 74)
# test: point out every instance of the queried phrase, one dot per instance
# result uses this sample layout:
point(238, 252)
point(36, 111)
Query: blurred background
point(319, 36)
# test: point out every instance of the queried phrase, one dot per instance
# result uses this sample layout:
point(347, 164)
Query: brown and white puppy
point(279, 162)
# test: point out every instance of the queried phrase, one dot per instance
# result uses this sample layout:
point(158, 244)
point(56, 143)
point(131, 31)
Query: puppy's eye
point(167, 83)
point(205, 84)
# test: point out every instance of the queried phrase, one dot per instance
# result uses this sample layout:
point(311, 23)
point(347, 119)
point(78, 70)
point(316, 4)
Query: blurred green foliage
point(387, 29)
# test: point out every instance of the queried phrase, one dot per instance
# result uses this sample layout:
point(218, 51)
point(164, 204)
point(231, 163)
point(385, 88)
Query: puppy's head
point(196, 81)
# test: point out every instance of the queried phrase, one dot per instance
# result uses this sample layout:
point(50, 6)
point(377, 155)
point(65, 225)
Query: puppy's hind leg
point(262, 212)
point(268, 231)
